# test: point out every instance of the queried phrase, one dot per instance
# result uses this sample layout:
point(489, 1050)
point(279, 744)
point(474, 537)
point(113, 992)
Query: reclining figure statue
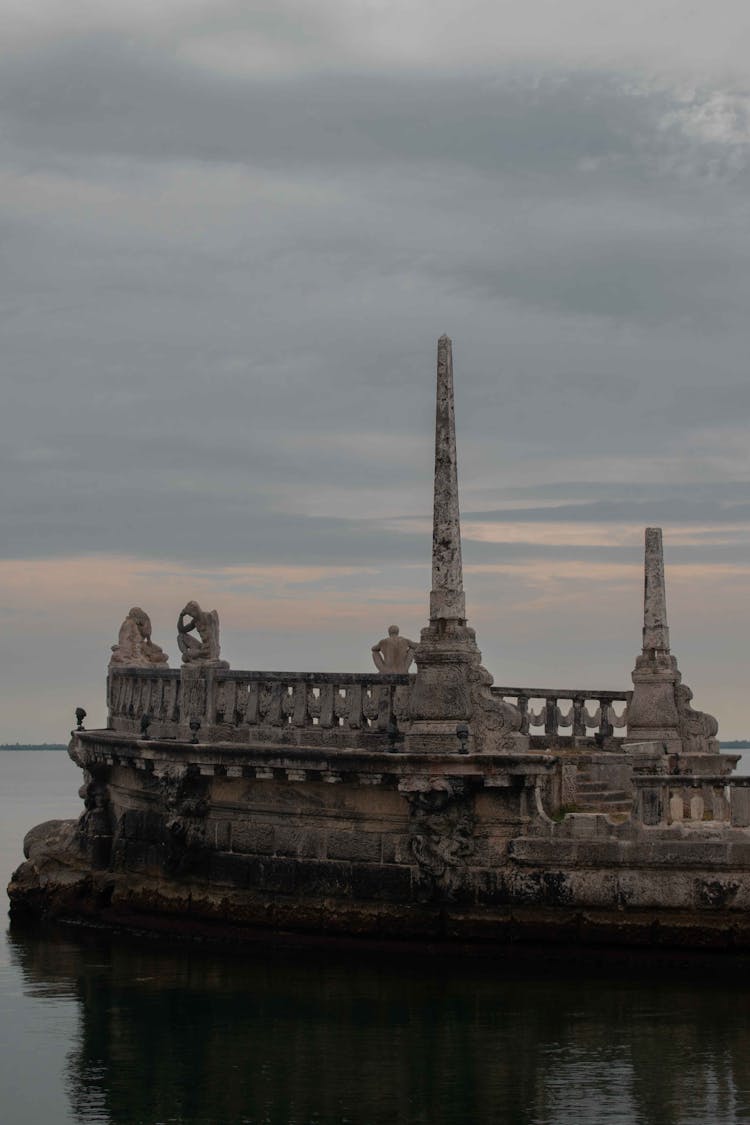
point(134, 647)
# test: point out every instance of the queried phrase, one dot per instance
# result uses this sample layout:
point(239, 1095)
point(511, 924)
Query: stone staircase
point(597, 796)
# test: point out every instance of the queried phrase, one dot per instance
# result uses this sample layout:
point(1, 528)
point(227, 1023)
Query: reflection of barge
point(428, 806)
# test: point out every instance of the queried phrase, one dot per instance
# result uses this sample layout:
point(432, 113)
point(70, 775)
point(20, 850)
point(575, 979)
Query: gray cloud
point(223, 281)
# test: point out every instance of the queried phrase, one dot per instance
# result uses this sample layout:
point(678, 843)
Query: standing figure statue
point(134, 647)
point(393, 653)
point(206, 624)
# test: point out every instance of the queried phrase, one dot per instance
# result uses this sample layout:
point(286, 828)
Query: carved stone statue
point(203, 649)
point(393, 653)
point(698, 729)
point(134, 646)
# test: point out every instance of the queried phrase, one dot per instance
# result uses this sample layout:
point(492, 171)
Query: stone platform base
point(299, 902)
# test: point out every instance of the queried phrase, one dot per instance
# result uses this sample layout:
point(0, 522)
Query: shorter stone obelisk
point(652, 712)
point(660, 710)
point(451, 692)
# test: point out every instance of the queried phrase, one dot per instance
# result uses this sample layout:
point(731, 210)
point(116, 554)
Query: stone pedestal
point(198, 697)
point(652, 712)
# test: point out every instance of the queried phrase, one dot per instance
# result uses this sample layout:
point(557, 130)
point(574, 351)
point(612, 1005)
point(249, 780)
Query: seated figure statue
point(393, 653)
point(203, 649)
point(134, 647)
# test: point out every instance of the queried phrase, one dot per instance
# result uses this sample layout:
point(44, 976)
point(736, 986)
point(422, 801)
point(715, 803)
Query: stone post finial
point(447, 601)
point(655, 629)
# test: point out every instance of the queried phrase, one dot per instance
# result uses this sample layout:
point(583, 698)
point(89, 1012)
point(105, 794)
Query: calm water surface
point(100, 1030)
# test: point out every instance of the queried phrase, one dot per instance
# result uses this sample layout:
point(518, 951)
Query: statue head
point(393, 630)
point(192, 609)
point(142, 620)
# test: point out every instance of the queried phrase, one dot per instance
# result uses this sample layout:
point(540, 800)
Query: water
point(100, 1030)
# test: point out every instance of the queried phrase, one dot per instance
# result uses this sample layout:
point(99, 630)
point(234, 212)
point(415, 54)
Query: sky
point(232, 233)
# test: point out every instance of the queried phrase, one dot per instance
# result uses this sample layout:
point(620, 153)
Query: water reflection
point(191, 1035)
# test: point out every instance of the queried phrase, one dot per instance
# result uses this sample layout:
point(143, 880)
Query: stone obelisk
point(447, 601)
point(451, 691)
point(660, 710)
point(655, 628)
point(652, 712)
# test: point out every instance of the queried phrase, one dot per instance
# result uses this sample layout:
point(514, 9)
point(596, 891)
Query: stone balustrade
point(308, 707)
point(134, 692)
point(328, 706)
point(664, 799)
point(557, 717)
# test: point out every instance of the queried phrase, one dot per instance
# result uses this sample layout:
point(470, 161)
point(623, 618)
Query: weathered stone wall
point(218, 839)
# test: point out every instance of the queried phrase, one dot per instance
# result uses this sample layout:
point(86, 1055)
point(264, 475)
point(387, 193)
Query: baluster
point(564, 719)
point(177, 702)
point(274, 716)
point(229, 701)
point(605, 727)
point(622, 720)
point(385, 706)
point(550, 716)
point(252, 704)
point(287, 703)
point(579, 721)
point(313, 704)
point(370, 705)
point(523, 706)
point(355, 717)
point(299, 713)
point(326, 705)
point(164, 699)
point(240, 703)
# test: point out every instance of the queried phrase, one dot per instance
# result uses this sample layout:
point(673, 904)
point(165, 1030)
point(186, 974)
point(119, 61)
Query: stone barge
point(430, 807)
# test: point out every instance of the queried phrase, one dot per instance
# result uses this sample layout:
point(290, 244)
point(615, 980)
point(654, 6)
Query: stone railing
point(668, 799)
point(134, 692)
point(355, 701)
point(556, 717)
point(328, 706)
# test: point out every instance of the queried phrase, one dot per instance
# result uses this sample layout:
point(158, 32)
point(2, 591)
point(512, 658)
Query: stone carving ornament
point(441, 836)
point(491, 716)
point(203, 648)
point(134, 647)
point(393, 654)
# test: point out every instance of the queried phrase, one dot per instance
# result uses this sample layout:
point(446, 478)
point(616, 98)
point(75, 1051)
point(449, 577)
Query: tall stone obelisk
point(447, 601)
point(451, 689)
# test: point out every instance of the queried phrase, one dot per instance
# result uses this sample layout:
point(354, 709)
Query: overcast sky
point(232, 233)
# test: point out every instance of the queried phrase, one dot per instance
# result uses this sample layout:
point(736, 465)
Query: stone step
point(601, 790)
point(606, 806)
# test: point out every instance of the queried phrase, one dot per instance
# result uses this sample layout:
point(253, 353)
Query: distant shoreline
point(35, 746)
